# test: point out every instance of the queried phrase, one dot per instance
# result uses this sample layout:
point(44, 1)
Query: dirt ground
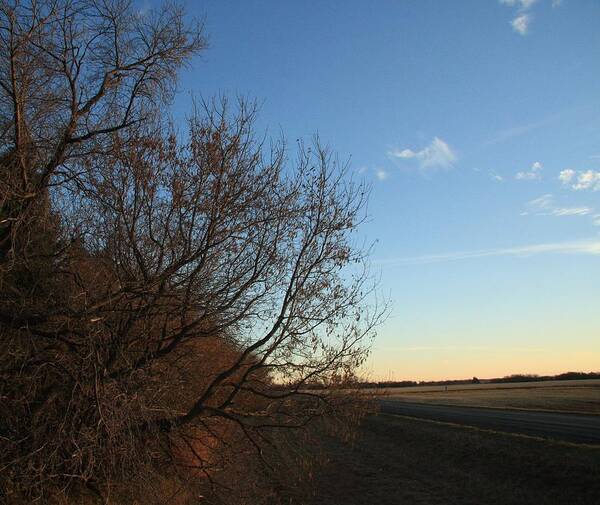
point(399, 460)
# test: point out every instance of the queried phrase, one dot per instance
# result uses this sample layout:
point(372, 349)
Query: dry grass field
point(565, 396)
point(400, 460)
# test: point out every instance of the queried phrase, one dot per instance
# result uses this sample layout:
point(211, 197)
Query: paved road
point(567, 427)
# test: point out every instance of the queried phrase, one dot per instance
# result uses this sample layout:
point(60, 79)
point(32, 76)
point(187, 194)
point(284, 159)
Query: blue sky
point(478, 124)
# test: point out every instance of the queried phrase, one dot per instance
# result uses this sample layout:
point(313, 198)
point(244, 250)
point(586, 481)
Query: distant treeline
point(474, 380)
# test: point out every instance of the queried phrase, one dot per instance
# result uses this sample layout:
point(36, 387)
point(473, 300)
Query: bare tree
point(73, 72)
point(165, 298)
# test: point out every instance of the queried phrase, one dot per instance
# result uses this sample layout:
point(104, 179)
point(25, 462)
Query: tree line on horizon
point(475, 380)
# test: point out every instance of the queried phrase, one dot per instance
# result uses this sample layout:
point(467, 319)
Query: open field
point(399, 460)
point(568, 396)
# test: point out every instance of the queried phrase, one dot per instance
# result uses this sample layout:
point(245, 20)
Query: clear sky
point(478, 124)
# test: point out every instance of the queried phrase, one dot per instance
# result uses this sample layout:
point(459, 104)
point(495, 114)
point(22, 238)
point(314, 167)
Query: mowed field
point(582, 396)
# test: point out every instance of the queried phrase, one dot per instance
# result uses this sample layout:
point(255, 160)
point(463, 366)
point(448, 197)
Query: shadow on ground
point(405, 461)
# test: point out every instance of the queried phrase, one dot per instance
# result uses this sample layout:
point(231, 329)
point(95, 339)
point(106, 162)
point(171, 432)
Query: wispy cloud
point(545, 206)
point(438, 154)
point(522, 129)
point(521, 4)
point(381, 174)
point(515, 131)
point(583, 247)
point(520, 23)
point(427, 348)
point(544, 202)
point(533, 174)
point(572, 211)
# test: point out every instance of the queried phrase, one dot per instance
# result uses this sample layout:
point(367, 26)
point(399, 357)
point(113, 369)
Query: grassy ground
point(560, 398)
point(404, 461)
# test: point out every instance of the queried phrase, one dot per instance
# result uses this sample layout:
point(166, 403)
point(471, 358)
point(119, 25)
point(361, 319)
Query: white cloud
point(381, 174)
point(566, 175)
point(590, 179)
point(438, 154)
point(521, 24)
point(533, 174)
point(590, 247)
point(497, 178)
point(582, 180)
point(596, 220)
point(522, 20)
point(406, 153)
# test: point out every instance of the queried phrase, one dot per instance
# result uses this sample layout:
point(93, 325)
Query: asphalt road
point(558, 426)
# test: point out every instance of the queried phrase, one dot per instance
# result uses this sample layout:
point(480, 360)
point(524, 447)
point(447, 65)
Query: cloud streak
point(522, 4)
point(572, 211)
point(544, 206)
point(582, 247)
point(424, 348)
point(515, 131)
point(438, 154)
